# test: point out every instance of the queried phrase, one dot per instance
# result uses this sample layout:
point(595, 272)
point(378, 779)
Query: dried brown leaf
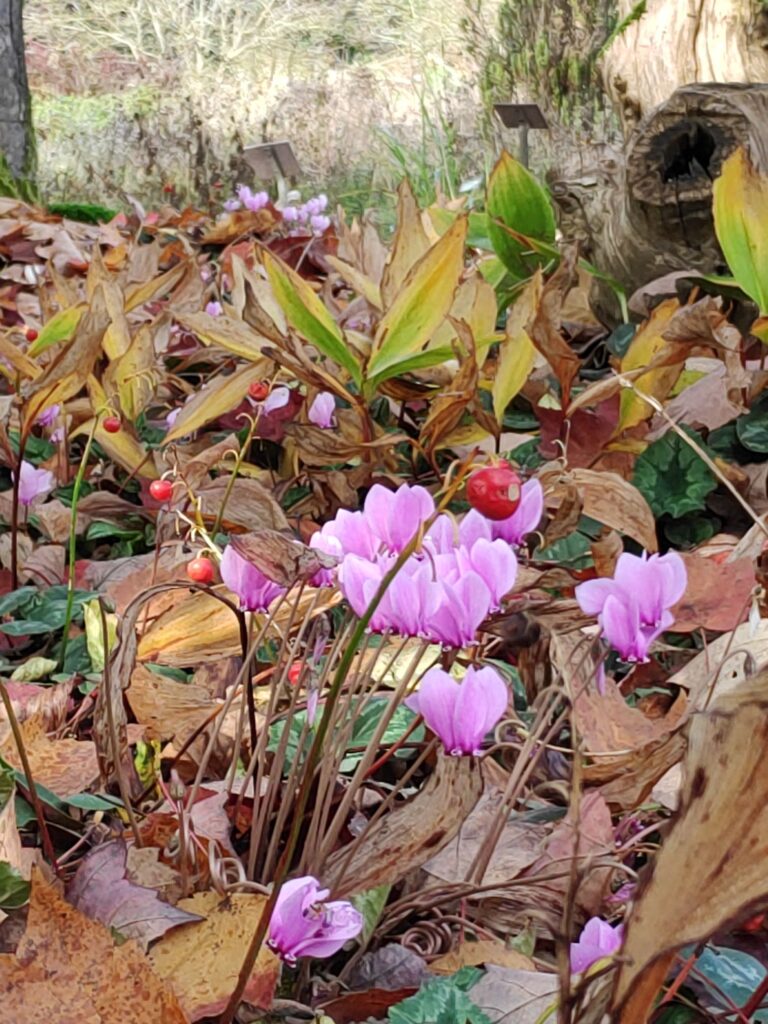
point(67, 970)
point(201, 961)
point(410, 834)
point(101, 891)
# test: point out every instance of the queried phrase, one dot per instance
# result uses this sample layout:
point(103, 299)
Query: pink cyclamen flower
point(633, 608)
point(525, 518)
point(255, 591)
point(278, 398)
point(214, 308)
point(461, 714)
point(290, 214)
point(252, 201)
point(231, 205)
point(395, 516)
point(322, 411)
point(304, 924)
point(598, 939)
point(316, 205)
point(48, 416)
point(319, 223)
point(34, 483)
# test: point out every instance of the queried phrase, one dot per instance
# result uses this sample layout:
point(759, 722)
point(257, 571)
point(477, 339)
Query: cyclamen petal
point(34, 483)
point(525, 518)
point(303, 924)
point(255, 591)
point(633, 608)
point(461, 714)
point(322, 411)
point(598, 939)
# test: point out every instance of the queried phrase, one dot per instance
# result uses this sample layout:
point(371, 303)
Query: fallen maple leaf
point(102, 892)
point(67, 970)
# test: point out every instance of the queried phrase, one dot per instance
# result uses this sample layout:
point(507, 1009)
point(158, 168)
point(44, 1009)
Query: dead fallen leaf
point(409, 834)
point(64, 766)
point(709, 872)
point(508, 995)
point(484, 951)
point(67, 969)
point(716, 597)
point(201, 961)
point(101, 891)
point(519, 846)
point(724, 664)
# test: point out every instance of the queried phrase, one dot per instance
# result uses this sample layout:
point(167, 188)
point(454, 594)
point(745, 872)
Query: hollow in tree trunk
point(16, 146)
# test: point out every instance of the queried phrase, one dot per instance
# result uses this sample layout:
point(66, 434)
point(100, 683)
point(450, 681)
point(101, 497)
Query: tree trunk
point(660, 217)
point(682, 42)
point(685, 79)
point(15, 124)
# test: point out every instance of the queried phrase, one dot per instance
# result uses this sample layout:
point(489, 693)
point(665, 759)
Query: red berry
point(494, 491)
point(168, 189)
point(752, 924)
point(161, 490)
point(258, 390)
point(294, 672)
point(112, 424)
point(32, 334)
point(200, 570)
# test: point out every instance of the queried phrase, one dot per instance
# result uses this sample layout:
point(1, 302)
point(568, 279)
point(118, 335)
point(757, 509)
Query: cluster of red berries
point(495, 491)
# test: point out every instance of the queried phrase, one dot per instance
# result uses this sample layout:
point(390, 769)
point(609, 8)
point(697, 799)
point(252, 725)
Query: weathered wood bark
point(682, 42)
point(15, 134)
point(660, 216)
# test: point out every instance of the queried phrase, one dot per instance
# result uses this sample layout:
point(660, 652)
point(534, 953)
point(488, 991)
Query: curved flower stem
point(231, 482)
point(33, 794)
point(315, 750)
point(73, 540)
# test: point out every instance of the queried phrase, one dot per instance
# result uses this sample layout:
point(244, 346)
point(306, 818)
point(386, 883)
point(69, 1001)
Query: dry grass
point(129, 97)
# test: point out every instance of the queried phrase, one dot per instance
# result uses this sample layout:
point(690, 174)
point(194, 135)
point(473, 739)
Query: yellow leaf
point(60, 327)
point(307, 315)
point(223, 332)
point(201, 960)
point(94, 635)
point(517, 352)
point(657, 383)
point(220, 396)
point(740, 209)
point(162, 285)
point(475, 305)
point(409, 244)
point(132, 375)
point(357, 279)
point(68, 372)
point(422, 303)
point(123, 447)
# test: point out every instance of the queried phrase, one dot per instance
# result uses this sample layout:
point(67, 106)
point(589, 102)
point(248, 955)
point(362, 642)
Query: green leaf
point(441, 1001)
point(25, 627)
point(672, 477)
point(740, 209)
point(752, 428)
point(34, 669)
point(516, 200)
point(677, 1013)
point(307, 315)
point(14, 890)
point(432, 357)
point(93, 802)
point(10, 603)
point(423, 302)
point(363, 729)
point(734, 974)
point(60, 327)
point(370, 904)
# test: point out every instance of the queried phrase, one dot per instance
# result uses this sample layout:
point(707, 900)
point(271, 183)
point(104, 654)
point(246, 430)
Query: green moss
point(87, 213)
